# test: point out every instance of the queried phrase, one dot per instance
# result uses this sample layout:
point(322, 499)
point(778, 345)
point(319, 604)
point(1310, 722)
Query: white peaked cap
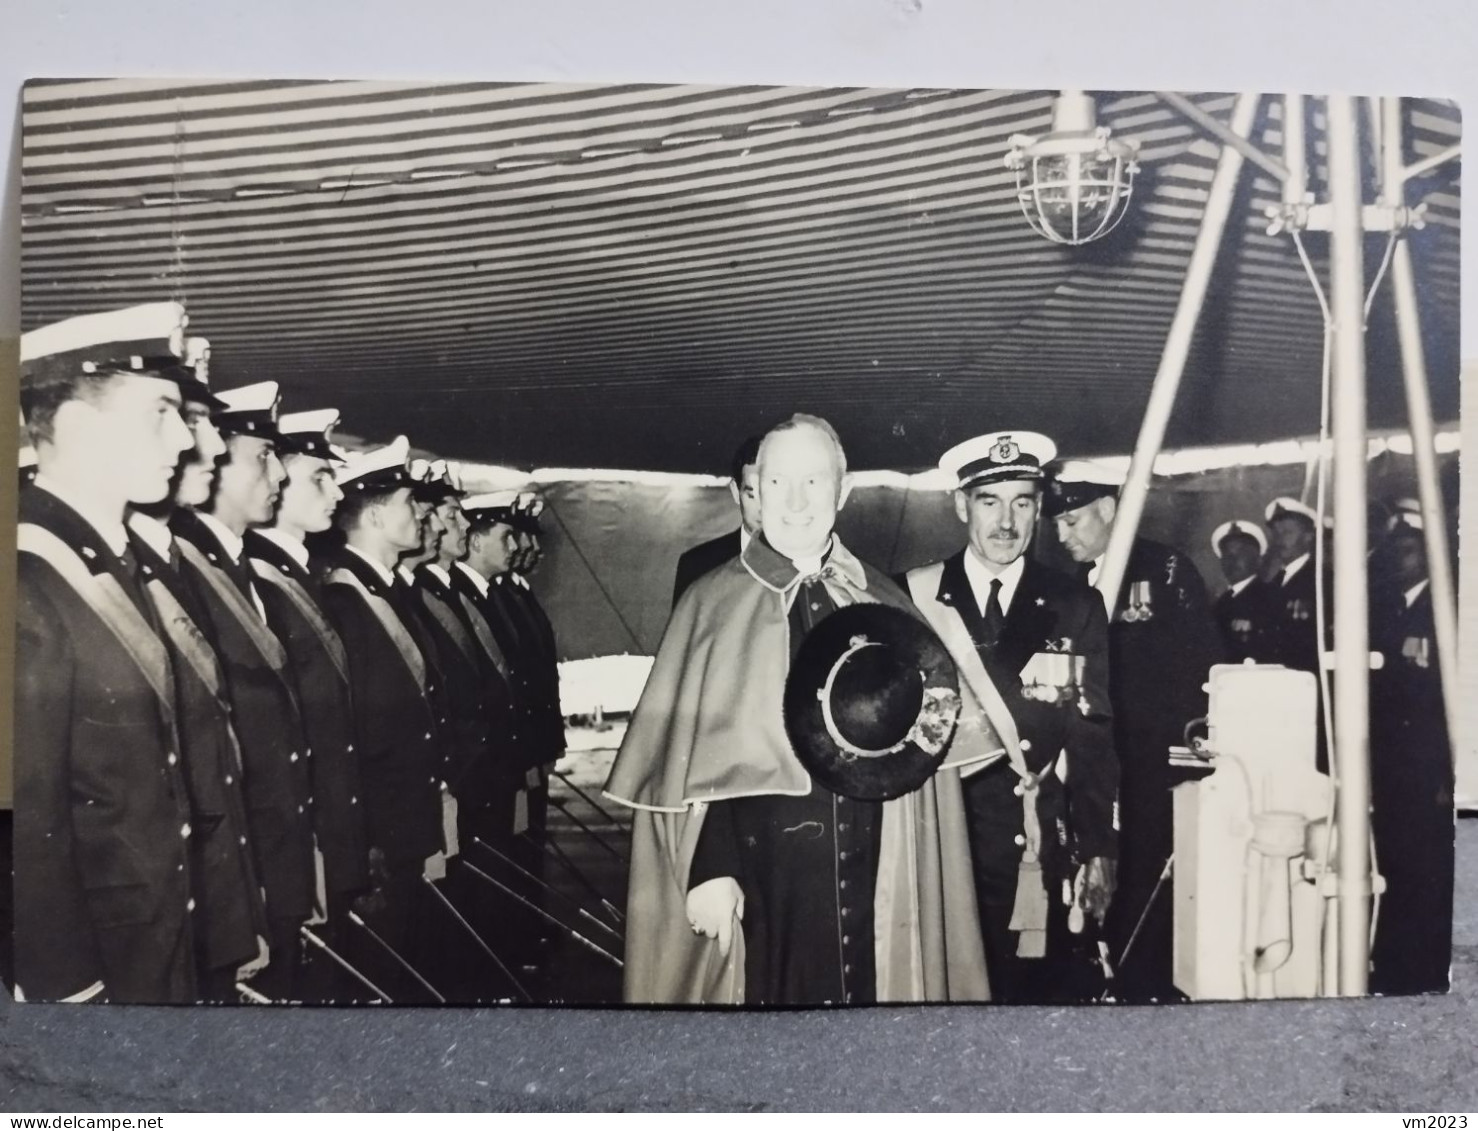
point(1238, 526)
point(314, 422)
point(999, 456)
point(385, 465)
point(162, 322)
point(261, 397)
point(1286, 504)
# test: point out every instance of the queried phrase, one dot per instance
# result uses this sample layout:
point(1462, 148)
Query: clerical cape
point(709, 727)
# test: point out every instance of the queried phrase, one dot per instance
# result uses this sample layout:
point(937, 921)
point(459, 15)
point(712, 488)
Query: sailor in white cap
point(275, 751)
point(1242, 610)
point(289, 584)
point(1295, 529)
point(1038, 851)
point(394, 722)
point(230, 915)
point(104, 904)
point(1162, 643)
point(539, 655)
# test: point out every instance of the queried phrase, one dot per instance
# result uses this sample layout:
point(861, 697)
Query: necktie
point(995, 616)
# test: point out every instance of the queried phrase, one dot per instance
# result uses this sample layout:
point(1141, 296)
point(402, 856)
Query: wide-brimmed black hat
point(871, 702)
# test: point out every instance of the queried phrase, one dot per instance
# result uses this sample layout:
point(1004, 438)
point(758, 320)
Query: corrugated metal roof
point(639, 275)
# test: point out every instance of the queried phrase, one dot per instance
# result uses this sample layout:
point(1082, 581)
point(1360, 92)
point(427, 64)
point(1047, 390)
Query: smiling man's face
point(801, 490)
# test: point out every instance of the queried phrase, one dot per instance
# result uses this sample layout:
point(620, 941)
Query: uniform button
point(184, 831)
point(846, 939)
point(229, 779)
point(1019, 790)
point(1019, 840)
point(846, 911)
point(292, 757)
point(842, 827)
point(190, 905)
point(172, 759)
point(310, 801)
point(242, 839)
point(428, 734)
point(841, 855)
point(847, 969)
point(353, 801)
point(1025, 745)
point(350, 748)
point(179, 867)
point(300, 808)
point(815, 607)
point(844, 884)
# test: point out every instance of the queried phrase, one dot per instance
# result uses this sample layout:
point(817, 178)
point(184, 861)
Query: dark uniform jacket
point(514, 632)
point(1411, 788)
point(102, 813)
point(466, 738)
point(539, 660)
point(394, 722)
point(274, 751)
point(694, 563)
point(1245, 621)
point(1077, 818)
point(1295, 638)
point(229, 912)
point(1162, 644)
point(292, 596)
point(505, 709)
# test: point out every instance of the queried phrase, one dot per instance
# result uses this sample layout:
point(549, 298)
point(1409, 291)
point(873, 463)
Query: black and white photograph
point(716, 545)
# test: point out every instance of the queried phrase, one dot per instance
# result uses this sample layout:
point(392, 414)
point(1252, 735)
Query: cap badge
point(1005, 451)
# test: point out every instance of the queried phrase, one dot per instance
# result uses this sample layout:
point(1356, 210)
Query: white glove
point(435, 866)
point(254, 965)
point(713, 906)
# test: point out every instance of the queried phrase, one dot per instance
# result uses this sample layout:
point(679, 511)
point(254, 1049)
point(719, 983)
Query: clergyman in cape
point(751, 883)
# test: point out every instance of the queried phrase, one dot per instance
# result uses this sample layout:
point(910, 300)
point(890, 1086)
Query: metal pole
point(550, 888)
point(539, 911)
point(1233, 137)
point(600, 840)
point(551, 849)
point(1351, 589)
point(1430, 162)
point(1423, 440)
point(396, 955)
point(478, 939)
point(592, 802)
point(1295, 150)
point(328, 950)
point(1172, 363)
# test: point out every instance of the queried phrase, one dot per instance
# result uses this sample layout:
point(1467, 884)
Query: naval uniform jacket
point(505, 712)
point(292, 594)
point(1411, 787)
point(1162, 644)
point(103, 901)
point(466, 736)
point(1077, 817)
point(1295, 642)
point(229, 911)
point(703, 558)
point(274, 752)
point(540, 655)
point(516, 635)
point(394, 721)
point(1245, 620)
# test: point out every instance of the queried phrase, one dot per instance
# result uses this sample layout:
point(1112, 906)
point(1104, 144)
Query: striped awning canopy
point(638, 276)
